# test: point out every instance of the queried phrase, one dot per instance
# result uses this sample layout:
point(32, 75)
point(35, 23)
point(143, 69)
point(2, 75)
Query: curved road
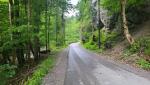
point(87, 68)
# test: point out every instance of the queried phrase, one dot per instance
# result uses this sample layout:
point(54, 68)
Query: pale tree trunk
point(11, 19)
point(10, 12)
point(124, 21)
point(28, 16)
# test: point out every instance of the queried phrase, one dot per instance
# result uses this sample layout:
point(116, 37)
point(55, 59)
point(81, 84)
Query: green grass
point(144, 64)
point(41, 71)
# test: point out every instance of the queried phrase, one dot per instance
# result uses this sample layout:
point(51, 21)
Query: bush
point(144, 64)
point(135, 47)
point(91, 45)
point(6, 71)
point(141, 45)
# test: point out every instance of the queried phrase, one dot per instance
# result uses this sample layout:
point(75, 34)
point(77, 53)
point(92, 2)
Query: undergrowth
point(42, 70)
point(107, 41)
point(144, 64)
point(6, 71)
point(140, 46)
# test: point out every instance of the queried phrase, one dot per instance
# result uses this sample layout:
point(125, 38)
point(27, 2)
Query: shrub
point(135, 47)
point(6, 71)
point(91, 45)
point(144, 64)
point(142, 44)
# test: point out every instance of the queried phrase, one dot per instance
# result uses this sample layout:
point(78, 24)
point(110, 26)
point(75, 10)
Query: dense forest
point(32, 30)
point(28, 28)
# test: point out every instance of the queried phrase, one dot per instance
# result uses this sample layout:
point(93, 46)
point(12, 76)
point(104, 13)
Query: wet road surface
point(87, 68)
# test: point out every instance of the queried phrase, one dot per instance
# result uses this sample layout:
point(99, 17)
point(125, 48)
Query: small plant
point(144, 64)
point(147, 48)
point(135, 47)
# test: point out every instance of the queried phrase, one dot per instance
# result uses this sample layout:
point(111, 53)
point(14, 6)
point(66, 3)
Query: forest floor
point(116, 53)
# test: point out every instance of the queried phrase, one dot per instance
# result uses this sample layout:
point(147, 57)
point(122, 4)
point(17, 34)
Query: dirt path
point(57, 76)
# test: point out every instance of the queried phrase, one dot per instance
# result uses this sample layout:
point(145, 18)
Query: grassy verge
point(140, 52)
point(42, 70)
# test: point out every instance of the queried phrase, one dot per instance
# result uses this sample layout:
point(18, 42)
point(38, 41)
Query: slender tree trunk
point(124, 21)
point(99, 19)
point(28, 17)
point(56, 28)
point(46, 25)
point(11, 16)
point(10, 12)
point(49, 20)
point(63, 27)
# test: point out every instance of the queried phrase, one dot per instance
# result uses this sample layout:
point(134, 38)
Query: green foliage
point(6, 71)
point(41, 71)
point(91, 45)
point(135, 47)
point(144, 64)
point(72, 30)
point(114, 6)
point(147, 51)
point(140, 45)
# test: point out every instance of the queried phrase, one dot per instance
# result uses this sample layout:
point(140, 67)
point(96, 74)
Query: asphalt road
point(87, 68)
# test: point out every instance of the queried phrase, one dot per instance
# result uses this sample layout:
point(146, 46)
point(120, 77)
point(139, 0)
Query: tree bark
point(124, 21)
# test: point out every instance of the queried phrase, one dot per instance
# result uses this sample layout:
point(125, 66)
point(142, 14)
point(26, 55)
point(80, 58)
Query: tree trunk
point(63, 28)
point(46, 25)
point(28, 16)
point(100, 24)
point(10, 12)
point(49, 20)
point(124, 21)
point(11, 16)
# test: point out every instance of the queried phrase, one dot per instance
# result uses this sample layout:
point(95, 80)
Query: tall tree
point(100, 24)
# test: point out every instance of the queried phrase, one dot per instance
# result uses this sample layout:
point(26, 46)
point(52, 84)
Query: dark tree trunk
point(63, 28)
point(46, 25)
point(100, 24)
